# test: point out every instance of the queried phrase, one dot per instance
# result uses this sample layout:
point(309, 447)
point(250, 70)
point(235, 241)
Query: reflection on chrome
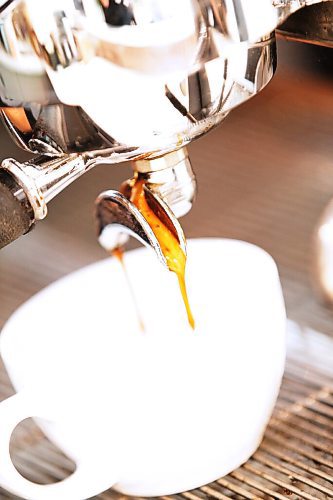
point(106, 81)
point(133, 76)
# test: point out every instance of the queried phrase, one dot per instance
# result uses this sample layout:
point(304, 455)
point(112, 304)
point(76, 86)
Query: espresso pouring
point(173, 253)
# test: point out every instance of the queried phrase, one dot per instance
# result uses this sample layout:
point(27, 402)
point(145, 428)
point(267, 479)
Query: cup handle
point(78, 486)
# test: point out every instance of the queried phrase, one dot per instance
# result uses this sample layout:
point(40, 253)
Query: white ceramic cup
point(150, 413)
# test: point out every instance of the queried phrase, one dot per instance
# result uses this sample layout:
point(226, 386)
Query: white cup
point(151, 413)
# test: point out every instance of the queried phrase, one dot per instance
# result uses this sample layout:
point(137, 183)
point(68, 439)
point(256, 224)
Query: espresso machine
point(89, 82)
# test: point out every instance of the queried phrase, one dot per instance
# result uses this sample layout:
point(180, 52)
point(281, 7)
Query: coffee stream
point(118, 253)
point(174, 255)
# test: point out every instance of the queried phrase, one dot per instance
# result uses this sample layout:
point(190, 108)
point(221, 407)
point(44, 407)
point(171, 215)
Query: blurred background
point(264, 176)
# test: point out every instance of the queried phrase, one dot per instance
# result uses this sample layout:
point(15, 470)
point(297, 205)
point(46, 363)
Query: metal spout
point(169, 188)
point(171, 178)
point(118, 218)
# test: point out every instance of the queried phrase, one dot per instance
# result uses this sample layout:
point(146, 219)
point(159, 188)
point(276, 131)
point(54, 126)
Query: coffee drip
point(174, 255)
point(170, 245)
point(118, 253)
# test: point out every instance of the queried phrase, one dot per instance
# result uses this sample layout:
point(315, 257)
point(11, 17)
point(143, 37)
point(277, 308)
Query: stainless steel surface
point(56, 130)
point(171, 178)
point(310, 25)
point(295, 459)
point(251, 20)
point(117, 218)
point(43, 178)
point(191, 82)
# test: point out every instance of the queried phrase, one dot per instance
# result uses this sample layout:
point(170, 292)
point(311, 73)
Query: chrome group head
point(143, 76)
point(107, 81)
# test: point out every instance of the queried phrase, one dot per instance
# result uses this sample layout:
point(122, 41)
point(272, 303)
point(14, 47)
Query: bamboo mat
point(264, 176)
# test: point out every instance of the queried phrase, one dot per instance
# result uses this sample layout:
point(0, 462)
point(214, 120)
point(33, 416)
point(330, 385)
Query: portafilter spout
point(169, 189)
point(118, 218)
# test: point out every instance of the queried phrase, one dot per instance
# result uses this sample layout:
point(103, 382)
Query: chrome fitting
point(43, 178)
point(171, 178)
